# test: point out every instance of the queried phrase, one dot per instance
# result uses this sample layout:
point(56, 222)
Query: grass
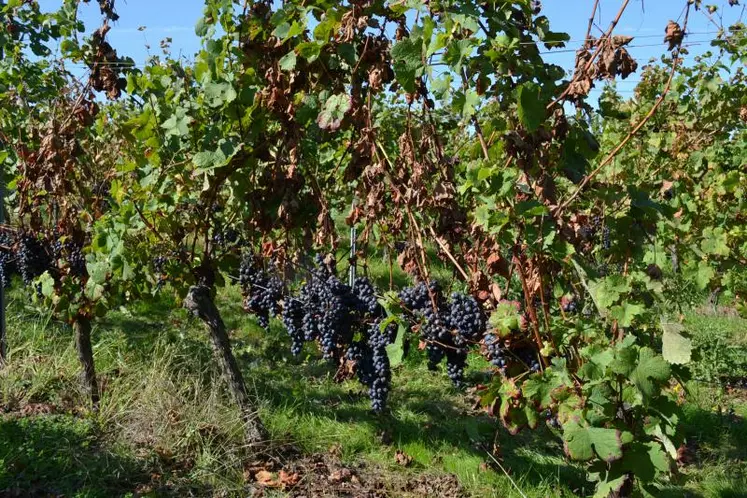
point(166, 427)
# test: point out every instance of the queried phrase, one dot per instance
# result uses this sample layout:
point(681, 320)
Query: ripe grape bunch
point(159, 268)
point(569, 304)
point(448, 327)
point(328, 307)
point(262, 291)
point(292, 316)
point(496, 352)
point(346, 321)
point(7, 258)
point(33, 258)
point(76, 259)
point(424, 304)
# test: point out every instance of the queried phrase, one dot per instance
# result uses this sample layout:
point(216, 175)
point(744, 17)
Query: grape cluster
point(332, 313)
point(448, 327)
point(427, 305)
point(57, 246)
point(224, 237)
point(606, 244)
point(329, 307)
point(101, 189)
point(466, 318)
point(292, 317)
point(159, 268)
point(496, 351)
point(7, 259)
point(381, 371)
point(365, 295)
point(569, 304)
point(76, 259)
point(529, 357)
point(456, 362)
point(262, 291)
point(552, 419)
point(33, 258)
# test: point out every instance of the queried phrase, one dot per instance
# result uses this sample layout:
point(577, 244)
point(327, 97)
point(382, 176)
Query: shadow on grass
point(58, 455)
point(425, 412)
point(716, 435)
point(717, 442)
point(421, 415)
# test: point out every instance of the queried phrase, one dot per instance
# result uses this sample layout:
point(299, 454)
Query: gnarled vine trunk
point(201, 304)
point(82, 330)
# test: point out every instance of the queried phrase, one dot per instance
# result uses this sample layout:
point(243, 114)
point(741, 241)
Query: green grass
point(166, 427)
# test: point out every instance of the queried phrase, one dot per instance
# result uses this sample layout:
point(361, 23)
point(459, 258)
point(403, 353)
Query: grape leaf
point(219, 93)
point(676, 348)
point(626, 312)
point(395, 351)
point(607, 488)
point(466, 103)
point(581, 443)
point(715, 241)
point(177, 124)
point(607, 291)
point(334, 111)
point(651, 367)
point(531, 108)
point(408, 62)
point(704, 274)
point(288, 61)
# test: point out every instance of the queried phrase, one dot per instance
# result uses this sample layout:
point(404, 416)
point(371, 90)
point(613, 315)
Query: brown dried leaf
point(341, 475)
point(288, 480)
point(402, 458)
point(265, 478)
point(673, 35)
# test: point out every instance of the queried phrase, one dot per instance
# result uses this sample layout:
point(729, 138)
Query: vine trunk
point(200, 303)
point(82, 330)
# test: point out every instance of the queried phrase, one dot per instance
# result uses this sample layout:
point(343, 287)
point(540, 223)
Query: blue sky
point(644, 19)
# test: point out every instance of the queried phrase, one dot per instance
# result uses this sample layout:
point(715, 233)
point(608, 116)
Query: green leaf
point(211, 159)
point(309, 50)
point(651, 367)
point(530, 209)
point(47, 285)
point(94, 291)
point(97, 271)
point(286, 31)
point(676, 348)
point(606, 488)
point(334, 111)
point(715, 241)
point(704, 274)
point(219, 93)
point(201, 28)
point(541, 388)
point(408, 51)
point(607, 291)
point(456, 52)
point(531, 108)
point(645, 460)
point(177, 124)
point(288, 61)
point(407, 55)
point(626, 312)
point(396, 351)
point(582, 443)
point(324, 29)
point(465, 103)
